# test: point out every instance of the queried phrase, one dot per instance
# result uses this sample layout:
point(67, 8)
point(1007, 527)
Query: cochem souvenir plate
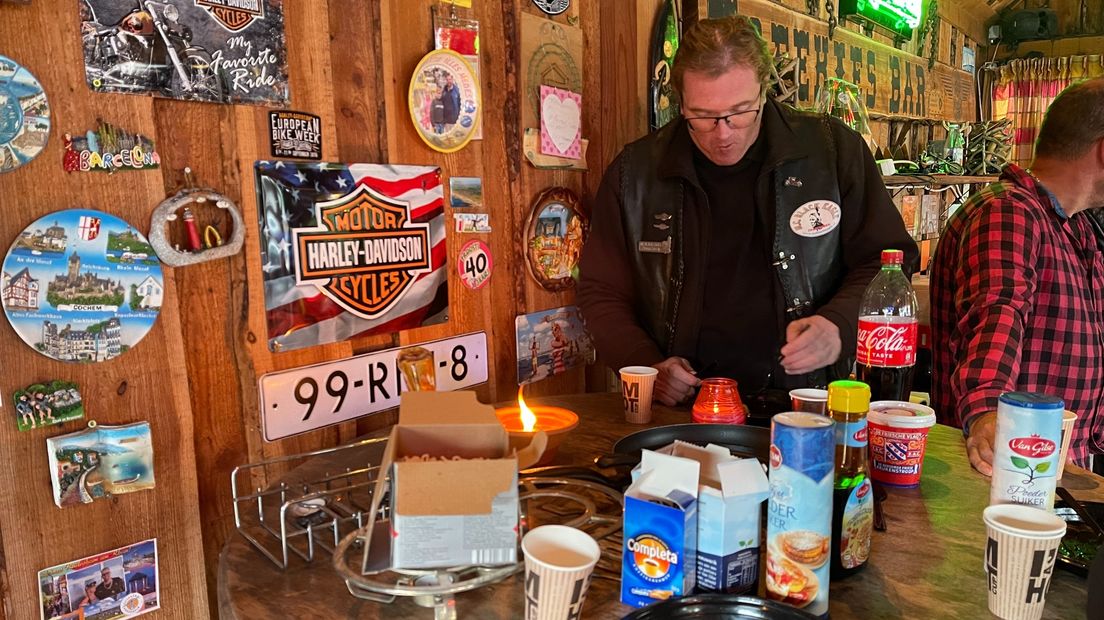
point(444, 101)
point(24, 115)
point(81, 286)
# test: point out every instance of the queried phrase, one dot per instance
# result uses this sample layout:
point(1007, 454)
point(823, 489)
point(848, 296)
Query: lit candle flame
point(528, 418)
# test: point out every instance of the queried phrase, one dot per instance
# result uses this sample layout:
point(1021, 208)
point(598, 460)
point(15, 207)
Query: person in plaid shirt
point(1017, 285)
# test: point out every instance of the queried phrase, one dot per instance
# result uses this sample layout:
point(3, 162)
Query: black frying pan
point(742, 440)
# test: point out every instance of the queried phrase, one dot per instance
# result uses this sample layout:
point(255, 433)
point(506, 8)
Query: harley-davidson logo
point(234, 15)
point(365, 254)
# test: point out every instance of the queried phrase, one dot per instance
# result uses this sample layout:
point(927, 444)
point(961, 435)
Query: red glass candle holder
point(719, 402)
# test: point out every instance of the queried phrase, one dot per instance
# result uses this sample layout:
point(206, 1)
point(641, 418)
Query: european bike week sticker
point(81, 286)
point(24, 115)
point(444, 100)
point(815, 218)
point(475, 264)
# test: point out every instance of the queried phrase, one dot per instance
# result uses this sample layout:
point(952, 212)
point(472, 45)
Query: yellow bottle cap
point(849, 396)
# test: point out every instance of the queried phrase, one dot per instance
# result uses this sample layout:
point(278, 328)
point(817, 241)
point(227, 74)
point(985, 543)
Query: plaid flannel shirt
point(1016, 304)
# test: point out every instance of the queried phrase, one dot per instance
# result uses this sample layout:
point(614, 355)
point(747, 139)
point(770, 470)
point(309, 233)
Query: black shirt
point(739, 323)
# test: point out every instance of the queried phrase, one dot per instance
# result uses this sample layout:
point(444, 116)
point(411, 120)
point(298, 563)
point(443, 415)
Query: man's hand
point(979, 445)
point(675, 381)
point(811, 343)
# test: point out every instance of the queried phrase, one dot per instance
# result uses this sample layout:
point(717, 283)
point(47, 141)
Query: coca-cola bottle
point(886, 351)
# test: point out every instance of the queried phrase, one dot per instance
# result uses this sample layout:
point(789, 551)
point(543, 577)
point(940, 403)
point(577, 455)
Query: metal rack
point(589, 506)
point(318, 503)
point(339, 522)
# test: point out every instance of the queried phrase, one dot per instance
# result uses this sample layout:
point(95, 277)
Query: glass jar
point(719, 402)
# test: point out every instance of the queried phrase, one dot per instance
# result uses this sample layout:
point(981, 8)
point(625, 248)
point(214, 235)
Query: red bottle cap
point(893, 257)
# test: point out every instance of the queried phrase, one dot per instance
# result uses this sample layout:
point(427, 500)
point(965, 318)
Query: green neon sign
point(900, 16)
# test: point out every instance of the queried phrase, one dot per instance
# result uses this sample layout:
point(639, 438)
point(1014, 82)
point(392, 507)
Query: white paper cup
point(1068, 418)
point(637, 383)
point(810, 399)
point(1019, 558)
point(558, 564)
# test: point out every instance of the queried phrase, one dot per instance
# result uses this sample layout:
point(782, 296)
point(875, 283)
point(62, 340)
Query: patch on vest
point(655, 247)
point(815, 218)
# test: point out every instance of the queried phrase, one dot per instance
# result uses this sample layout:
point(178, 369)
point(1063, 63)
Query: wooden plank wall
point(195, 375)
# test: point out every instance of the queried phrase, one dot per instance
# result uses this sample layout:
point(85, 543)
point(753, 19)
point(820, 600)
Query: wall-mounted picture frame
point(554, 236)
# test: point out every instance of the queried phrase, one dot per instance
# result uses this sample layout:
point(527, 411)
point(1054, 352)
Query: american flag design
point(88, 228)
point(302, 314)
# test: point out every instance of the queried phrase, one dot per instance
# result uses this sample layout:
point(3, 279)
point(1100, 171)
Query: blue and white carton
point(660, 530)
point(731, 493)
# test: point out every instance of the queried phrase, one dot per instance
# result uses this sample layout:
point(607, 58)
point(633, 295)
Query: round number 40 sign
point(474, 264)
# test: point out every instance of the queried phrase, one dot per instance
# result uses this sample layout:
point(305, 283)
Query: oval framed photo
point(444, 101)
point(554, 236)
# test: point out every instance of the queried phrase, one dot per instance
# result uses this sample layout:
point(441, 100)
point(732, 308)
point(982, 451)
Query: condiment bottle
point(852, 498)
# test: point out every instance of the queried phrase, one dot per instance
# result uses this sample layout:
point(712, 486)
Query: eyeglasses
point(735, 120)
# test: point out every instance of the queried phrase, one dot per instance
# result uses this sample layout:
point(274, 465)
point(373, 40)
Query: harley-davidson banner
point(227, 51)
point(350, 250)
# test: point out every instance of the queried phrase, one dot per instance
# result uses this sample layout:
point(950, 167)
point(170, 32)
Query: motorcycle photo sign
point(224, 51)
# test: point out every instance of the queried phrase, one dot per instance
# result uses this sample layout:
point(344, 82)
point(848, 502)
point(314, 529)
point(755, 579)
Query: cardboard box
point(451, 512)
point(730, 500)
point(660, 530)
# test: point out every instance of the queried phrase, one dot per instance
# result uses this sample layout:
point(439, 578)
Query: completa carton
point(731, 492)
point(660, 530)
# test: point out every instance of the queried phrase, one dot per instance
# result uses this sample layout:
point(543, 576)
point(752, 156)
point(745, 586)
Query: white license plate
point(312, 397)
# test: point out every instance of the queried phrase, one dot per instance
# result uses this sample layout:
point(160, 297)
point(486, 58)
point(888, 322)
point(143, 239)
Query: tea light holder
point(556, 422)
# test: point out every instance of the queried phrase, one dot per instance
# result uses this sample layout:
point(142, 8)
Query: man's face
point(736, 90)
point(448, 80)
point(106, 574)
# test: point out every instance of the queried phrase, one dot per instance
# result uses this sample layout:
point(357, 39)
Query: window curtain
point(1023, 88)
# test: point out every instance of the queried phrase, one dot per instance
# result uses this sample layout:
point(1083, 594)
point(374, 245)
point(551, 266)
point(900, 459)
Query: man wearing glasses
point(736, 241)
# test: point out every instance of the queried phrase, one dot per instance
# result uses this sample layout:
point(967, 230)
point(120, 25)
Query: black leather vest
point(656, 209)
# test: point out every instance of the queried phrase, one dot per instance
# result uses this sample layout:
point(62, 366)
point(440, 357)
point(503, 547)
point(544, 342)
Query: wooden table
point(927, 564)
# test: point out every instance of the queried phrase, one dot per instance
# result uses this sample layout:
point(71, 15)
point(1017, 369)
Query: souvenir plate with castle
point(81, 286)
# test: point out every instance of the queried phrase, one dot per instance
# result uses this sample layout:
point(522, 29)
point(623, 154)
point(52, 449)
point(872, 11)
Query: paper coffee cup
point(637, 383)
point(1068, 418)
point(1019, 558)
point(810, 400)
point(558, 564)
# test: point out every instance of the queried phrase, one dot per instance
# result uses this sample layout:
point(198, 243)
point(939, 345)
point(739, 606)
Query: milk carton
point(660, 530)
point(730, 498)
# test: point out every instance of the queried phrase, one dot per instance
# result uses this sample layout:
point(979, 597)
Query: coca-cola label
point(1034, 447)
point(886, 344)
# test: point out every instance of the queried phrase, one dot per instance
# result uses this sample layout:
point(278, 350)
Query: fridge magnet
point(176, 223)
point(466, 192)
point(475, 264)
point(554, 236)
point(44, 404)
point(81, 286)
point(350, 250)
point(561, 122)
point(224, 51)
point(552, 7)
point(444, 101)
point(295, 135)
point(553, 54)
point(663, 104)
point(24, 115)
point(550, 342)
point(109, 148)
point(122, 583)
point(531, 145)
point(472, 222)
point(460, 34)
point(99, 462)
